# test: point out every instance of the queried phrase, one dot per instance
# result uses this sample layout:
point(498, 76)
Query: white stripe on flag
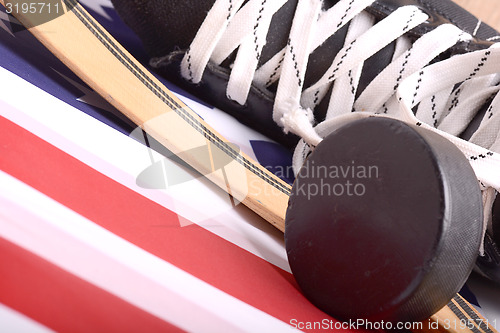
point(12, 321)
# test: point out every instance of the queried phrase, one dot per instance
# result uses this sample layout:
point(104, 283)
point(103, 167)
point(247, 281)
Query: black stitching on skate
point(169, 101)
point(345, 14)
point(490, 112)
point(188, 59)
point(351, 82)
point(412, 16)
point(433, 108)
point(417, 88)
point(256, 26)
point(481, 64)
point(455, 101)
point(229, 10)
point(341, 61)
point(476, 29)
point(316, 97)
point(275, 72)
point(481, 156)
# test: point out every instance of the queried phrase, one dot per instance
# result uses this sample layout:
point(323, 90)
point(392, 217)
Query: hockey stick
point(88, 50)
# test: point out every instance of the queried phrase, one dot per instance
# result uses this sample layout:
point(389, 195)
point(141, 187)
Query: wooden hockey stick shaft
point(89, 51)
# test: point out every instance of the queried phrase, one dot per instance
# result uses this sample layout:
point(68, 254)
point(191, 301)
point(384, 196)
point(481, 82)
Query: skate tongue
point(373, 243)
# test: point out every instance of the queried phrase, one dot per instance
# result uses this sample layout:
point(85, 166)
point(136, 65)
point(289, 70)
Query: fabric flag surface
point(98, 232)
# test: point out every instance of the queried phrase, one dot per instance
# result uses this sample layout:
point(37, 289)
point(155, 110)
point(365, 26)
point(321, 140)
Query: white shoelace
point(448, 94)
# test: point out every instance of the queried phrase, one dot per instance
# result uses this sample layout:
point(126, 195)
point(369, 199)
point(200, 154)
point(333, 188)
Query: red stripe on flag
point(64, 302)
point(151, 226)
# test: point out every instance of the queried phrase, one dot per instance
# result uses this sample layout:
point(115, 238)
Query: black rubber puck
point(384, 222)
point(489, 263)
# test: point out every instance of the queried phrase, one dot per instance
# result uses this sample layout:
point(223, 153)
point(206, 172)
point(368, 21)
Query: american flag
point(85, 246)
